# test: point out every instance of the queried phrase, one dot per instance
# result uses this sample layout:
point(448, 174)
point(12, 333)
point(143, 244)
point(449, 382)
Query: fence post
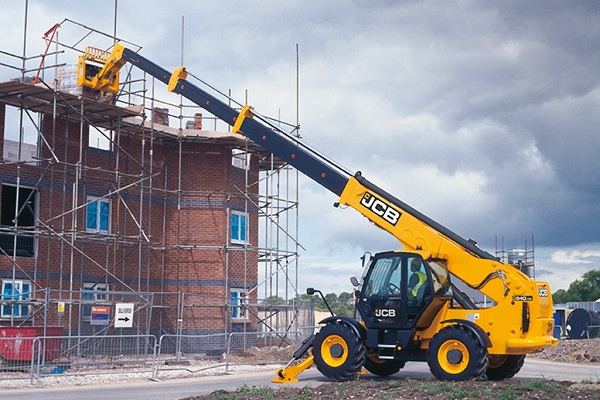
point(589, 340)
point(227, 352)
point(157, 351)
point(35, 366)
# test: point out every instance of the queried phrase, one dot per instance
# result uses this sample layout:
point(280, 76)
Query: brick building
point(165, 218)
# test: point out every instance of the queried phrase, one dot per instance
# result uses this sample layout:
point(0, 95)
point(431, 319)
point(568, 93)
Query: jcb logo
point(386, 212)
point(385, 312)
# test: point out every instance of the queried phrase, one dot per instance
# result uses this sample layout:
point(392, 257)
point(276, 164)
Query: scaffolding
point(522, 258)
point(129, 129)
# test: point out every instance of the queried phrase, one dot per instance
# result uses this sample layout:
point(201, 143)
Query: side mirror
point(311, 291)
point(354, 281)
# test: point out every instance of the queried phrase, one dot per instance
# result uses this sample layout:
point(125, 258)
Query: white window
point(239, 227)
point(238, 304)
point(97, 215)
point(92, 293)
point(240, 159)
point(15, 291)
point(100, 138)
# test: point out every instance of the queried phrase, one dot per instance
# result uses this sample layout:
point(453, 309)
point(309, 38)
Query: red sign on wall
point(100, 315)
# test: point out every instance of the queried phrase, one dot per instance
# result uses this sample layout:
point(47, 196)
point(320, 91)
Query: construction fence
point(270, 333)
point(31, 360)
point(586, 349)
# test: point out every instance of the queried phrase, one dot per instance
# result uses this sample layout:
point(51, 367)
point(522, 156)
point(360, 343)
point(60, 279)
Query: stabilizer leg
point(289, 373)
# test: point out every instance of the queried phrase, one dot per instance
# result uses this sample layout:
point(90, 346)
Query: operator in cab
point(417, 279)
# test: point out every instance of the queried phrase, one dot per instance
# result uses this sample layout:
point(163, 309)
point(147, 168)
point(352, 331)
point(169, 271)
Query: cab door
point(385, 300)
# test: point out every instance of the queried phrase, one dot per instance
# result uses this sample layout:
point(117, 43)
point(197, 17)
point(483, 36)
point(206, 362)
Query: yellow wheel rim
point(453, 357)
point(334, 350)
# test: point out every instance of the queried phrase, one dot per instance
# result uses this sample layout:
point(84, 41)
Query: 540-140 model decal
point(380, 208)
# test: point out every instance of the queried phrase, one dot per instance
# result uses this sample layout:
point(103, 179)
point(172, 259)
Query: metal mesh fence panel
point(593, 342)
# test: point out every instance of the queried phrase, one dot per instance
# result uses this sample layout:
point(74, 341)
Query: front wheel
point(339, 353)
point(504, 366)
point(455, 354)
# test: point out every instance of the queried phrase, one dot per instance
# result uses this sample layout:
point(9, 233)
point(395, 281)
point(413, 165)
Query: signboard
point(124, 315)
point(100, 315)
point(61, 308)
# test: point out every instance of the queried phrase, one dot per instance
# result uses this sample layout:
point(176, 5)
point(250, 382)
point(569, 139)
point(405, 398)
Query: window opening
point(100, 138)
point(238, 299)
point(25, 222)
point(97, 215)
point(92, 293)
point(15, 291)
point(240, 159)
point(239, 227)
point(12, 135)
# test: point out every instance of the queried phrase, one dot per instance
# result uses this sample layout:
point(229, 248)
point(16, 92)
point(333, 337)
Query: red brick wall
point(198, 258)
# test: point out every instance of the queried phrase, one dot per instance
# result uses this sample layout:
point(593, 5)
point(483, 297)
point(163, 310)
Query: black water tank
point(578, 322)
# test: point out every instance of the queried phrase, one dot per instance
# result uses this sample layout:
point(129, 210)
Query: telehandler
point(401, 319)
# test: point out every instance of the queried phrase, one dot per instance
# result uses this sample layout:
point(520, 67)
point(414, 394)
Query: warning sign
point(124, 315)
point(100, 315)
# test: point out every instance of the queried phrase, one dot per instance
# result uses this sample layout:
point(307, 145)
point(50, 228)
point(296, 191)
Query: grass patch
point(413, 389)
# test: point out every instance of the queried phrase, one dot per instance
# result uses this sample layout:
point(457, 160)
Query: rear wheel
point(504, 366)
point(383, 367)
point(455, 354)
point(339, 353)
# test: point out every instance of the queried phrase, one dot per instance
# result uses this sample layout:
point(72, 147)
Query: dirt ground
point(571, 351)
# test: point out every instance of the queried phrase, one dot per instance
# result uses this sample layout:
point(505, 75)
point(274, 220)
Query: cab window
point(385, 277)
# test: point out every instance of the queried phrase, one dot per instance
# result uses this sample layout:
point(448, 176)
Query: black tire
point(455, 354)
point(339, 353)
point(502, 367)
point(383, 367)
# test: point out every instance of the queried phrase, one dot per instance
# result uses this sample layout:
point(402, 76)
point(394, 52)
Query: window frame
point(90, 294)
point(240, 159)
point(103, 138)
point(238, 231)
point(24, 294)
point(99, 213)
point(238, 299)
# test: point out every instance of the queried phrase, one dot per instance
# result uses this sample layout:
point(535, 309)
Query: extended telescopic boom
point(307, 160)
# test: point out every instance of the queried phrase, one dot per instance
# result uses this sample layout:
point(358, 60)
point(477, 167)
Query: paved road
point(181, 388)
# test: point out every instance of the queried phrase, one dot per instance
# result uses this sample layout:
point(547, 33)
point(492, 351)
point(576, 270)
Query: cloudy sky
point(483, 115)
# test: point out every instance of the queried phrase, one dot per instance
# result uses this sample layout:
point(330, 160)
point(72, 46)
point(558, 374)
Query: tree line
point(585, 289)
point(342, 304)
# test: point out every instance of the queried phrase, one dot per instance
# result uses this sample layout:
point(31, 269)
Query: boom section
point(270, 138)
point(421, 218)
point(411, 227)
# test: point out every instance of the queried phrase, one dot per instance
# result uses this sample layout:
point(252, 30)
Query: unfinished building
point(128, 199)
